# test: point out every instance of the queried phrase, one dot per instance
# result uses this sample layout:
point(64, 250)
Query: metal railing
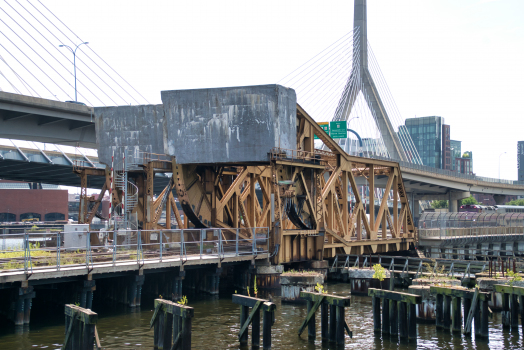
point(449, 172)
point(318, 157)
point(31, 252)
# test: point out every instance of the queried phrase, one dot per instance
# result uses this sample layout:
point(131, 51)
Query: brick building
point(18, 201)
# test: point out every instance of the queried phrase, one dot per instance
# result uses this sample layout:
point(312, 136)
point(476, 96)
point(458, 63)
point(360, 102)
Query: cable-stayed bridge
point(344, 82)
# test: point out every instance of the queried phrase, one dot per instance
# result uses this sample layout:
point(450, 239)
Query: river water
point(216, 325)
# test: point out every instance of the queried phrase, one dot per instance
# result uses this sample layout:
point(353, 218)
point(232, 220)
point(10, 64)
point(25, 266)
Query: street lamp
point(74, 60)
point(499, 162)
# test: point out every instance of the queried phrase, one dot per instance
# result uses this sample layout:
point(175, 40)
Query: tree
point(519, 202)
point(440, 204)
point(471, 200)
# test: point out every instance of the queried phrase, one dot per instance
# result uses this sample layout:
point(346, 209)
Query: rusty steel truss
point(302, 198)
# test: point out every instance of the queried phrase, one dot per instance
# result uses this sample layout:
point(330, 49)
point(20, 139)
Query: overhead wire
point(100, 59)
point(1, 20)
point(53, 45)
point(18, 76)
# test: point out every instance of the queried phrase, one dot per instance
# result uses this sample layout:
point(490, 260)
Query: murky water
point(216, 325)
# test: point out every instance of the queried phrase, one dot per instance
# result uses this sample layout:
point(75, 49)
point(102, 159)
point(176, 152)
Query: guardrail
point(472, 233)
point(448, 172)
point(317, 157)
point(53, 251)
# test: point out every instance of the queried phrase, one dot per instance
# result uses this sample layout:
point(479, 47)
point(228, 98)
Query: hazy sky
point(462, 60)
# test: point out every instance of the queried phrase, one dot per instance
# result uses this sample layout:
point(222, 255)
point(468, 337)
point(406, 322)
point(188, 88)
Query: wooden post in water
point(398, 312)
point(253, 318)
point(402, 319)
point(80, 328)
point(505, 310)
point(467, 307)
point(514, 311)
point(172, 324)
point(337, 324)
point(439, 311)
point(385, 316)
point(332, 323)
point(311, 331)
point(447, 312)
point(376, 314)
point(457, 315)
point(393, 317)
point(412, 321)
point(324, 322)
point(521, 308)
point(244, 314)
point(484, 330)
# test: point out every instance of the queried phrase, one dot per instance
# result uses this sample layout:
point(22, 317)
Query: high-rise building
point(426, 133)
point(464, 164)
point(456, 152)
point(520, 160)
point(446, 147)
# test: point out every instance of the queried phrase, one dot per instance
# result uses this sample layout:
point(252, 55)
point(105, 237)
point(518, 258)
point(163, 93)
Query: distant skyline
point(461, 60)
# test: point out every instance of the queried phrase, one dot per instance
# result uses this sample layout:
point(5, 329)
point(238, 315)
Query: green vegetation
point(519, 202)
point(320, 289)
point(255, 288)
point(514, 277)
point(183, 301)
point(471, 201)
point(439, 204)
point(380, 272)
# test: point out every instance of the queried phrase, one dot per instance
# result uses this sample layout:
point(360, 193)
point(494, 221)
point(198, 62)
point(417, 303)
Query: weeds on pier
point(514, 277)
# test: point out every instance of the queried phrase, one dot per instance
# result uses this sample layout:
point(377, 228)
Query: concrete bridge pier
point(134, 290)
point(85, 293)
point(23, 304)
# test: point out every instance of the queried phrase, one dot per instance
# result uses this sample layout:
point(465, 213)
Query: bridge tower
point(360, 80)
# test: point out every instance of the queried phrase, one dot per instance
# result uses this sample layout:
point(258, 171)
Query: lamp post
point(499, 162)
point(74, 60)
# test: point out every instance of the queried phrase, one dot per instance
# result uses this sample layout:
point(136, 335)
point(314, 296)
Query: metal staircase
point(123, 217)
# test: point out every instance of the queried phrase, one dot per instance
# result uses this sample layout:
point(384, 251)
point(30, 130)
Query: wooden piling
point(402, 320)
point(255, 329)
point(332, 323)
point(514, 311)
point(253, 318)
point(484, 330)
point(406, 314)
point(505, 310)
point(266, 336)
point(521, 309)
point(456, 320)
point(412, 322)
point(376, 314)
point(447, 312)
point(393, 317)
point(80, 328)
point(385, 316)
point(244, 313)
point(467, 307)
point(311, 331)
point(439, 311)
point(341, 322)
point(324, 319)
point(172, 324)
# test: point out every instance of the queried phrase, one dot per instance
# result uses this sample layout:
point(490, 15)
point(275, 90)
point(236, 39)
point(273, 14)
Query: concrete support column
point(500, 199)
point(454, 197)
point(23, 305)
point(85, 294)
point(134, 290)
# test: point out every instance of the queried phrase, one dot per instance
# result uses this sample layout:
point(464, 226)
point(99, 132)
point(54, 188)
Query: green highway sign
point(338, 129)
point(325, 127)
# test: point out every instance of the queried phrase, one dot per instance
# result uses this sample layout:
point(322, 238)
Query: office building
point(426, 133)
point(456, 152)
point(520, 160)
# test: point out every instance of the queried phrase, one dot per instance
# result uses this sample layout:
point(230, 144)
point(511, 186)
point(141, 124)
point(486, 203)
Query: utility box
point(75, 236)
point(229, 125)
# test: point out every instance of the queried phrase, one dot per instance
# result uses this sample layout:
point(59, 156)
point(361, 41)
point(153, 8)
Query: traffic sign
point(325, 127)
point(338, 129)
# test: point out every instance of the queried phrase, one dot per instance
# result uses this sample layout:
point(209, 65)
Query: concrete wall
point(138, 128)
point(33, 201)
point(228, 125)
